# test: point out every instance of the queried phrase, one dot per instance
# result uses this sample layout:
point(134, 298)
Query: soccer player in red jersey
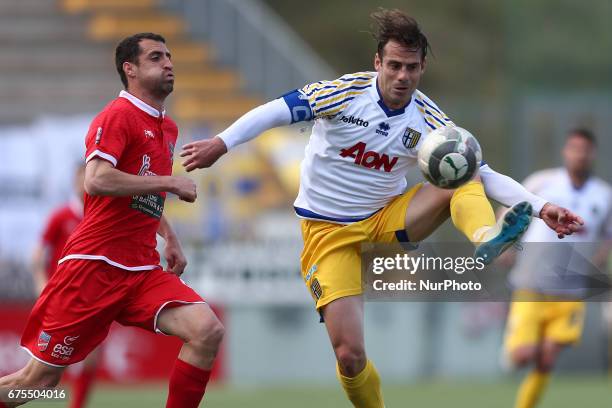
point(62, 222)
point(109, 269)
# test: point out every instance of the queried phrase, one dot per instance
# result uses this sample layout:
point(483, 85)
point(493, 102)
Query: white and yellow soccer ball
point(449, 157)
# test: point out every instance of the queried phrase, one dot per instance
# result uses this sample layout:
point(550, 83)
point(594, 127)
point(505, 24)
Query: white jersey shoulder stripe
point(328, 98)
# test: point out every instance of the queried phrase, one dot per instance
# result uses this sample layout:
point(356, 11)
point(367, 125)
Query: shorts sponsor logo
point(43, 341)
point(315, 287)
point(68, 340)
point(62, 352)
point(411, 138)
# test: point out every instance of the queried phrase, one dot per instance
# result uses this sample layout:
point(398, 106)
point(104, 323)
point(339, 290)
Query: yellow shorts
point(529, 323)
point(331, 258)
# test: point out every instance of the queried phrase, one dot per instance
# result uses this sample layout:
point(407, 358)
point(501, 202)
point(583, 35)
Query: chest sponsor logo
point(149, 204)
point(411, 138)
point(354, 121)
point(369, 159)
point(145, 166)
point(383, 129)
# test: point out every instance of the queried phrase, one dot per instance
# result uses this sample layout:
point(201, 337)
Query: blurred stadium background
point(517, 73)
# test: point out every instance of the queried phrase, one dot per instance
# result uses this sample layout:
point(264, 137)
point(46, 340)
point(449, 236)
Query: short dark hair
point(396, 25)
point(584, 133)
point(129, 49)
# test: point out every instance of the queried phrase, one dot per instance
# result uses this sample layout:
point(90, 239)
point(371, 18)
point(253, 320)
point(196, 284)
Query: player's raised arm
point(508, 192)
point(316, 100)
point(205, 153)
point(102, 178)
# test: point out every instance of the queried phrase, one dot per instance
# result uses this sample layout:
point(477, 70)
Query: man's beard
point(164, 89)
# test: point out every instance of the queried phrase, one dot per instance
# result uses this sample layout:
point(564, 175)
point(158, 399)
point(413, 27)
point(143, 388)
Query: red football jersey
point(121, 231)
point(61, 223)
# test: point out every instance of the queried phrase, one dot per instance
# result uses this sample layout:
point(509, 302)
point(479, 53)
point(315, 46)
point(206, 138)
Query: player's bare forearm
point(101, 178)
point(166, 231)
point(172, 252)
point(204, 153)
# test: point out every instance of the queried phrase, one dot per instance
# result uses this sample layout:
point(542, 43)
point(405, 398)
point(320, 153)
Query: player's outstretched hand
point(185, 188)
point(561, 220)
point(175, 258)
point(203, 153)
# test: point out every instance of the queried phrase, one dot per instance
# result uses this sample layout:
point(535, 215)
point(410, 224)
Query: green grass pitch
point(564, 392)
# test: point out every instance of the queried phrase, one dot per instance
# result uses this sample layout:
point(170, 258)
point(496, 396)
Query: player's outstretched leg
point(358, 376)
point(34, 375)
point(469, 208)
point(508, 230)
point(535, 382)
point(202, 332)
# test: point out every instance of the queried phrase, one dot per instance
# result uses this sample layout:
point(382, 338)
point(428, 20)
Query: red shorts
point(74, 313)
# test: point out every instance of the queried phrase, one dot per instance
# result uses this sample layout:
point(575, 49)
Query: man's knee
point(523, 356)
point(351, 359)
point(206, 332)
point(548, 356)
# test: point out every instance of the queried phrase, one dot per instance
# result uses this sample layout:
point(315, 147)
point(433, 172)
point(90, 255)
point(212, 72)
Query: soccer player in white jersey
point(550, 277)
point(368, 127)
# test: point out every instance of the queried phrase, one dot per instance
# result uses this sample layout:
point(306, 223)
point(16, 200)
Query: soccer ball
point(449, 157)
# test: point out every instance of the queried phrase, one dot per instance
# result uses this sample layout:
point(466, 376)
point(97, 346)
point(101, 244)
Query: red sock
point(81, 388)
point(187, 385)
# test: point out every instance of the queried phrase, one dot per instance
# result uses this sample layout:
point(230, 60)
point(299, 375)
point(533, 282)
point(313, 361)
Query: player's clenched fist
point(185, 188)
point(203, 153)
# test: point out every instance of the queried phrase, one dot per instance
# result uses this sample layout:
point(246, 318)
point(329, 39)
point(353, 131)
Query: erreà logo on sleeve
point(369, 159)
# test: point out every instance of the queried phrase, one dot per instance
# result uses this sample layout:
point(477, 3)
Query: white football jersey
point(360, 150)
point(563, 267)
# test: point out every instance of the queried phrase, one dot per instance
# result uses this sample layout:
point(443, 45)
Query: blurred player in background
point(367, 131)
point(110, 269)
point(546, 315)
point(62, 222)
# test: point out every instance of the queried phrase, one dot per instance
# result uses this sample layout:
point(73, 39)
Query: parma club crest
point(411, 138)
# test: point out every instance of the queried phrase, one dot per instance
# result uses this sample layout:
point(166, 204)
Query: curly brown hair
point(396, 25)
